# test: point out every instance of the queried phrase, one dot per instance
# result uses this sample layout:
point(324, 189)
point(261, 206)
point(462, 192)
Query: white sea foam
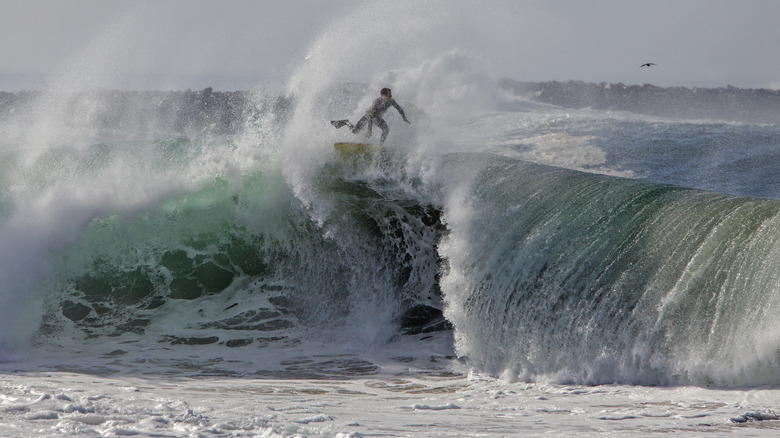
point(75, 404)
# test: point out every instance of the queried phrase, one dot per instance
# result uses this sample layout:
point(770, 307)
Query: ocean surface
point(501, 267)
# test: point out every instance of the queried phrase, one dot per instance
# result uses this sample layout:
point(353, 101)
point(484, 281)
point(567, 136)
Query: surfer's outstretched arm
point(400, 111)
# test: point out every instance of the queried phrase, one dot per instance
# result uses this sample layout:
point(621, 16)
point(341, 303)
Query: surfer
point(374, 115)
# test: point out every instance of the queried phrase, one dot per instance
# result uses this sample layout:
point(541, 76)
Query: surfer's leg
point(359, 125)
point(339, 123)
point(385, 129)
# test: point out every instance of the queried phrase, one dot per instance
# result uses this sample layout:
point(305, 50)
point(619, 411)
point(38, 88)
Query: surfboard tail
point(339, 123)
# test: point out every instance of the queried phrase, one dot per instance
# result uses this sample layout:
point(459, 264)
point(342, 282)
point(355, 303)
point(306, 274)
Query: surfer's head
point(386, 92)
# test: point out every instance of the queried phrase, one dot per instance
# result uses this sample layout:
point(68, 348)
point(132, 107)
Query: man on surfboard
point(374, 115)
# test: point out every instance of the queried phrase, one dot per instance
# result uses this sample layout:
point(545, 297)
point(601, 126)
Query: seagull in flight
point(648, 64)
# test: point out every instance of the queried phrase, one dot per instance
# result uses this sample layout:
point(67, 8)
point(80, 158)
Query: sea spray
point(66, 164)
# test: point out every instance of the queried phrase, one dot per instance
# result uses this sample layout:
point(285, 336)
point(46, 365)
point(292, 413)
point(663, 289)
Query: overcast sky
point(234, 44)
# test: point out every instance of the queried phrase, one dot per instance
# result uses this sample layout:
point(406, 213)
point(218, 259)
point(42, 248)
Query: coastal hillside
point(727, 104)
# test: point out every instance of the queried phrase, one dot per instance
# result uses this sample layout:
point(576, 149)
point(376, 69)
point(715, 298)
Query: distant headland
point(729, 104)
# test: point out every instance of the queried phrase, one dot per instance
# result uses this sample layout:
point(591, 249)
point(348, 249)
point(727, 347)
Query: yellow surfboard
point(348, 149)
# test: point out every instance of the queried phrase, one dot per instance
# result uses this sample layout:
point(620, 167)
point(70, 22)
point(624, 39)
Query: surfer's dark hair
point(385, 91)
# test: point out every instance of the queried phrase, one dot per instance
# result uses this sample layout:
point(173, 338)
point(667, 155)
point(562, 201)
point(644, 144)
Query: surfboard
point(346, 148)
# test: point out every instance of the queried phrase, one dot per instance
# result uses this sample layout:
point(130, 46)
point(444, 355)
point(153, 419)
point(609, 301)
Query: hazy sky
point(235, 44)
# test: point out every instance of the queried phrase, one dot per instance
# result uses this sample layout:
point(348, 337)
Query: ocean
point(203, 263)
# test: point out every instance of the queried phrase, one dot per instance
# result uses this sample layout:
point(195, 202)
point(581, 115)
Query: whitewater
point(205, 264)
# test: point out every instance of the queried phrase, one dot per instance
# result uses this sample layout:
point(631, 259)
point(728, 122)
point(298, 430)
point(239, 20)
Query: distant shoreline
point(728, 103)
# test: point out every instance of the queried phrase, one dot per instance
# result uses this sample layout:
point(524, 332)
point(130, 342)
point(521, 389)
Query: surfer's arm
point(401, 111)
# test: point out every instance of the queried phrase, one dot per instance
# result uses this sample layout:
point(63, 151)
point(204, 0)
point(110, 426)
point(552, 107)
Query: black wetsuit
point(374, 115)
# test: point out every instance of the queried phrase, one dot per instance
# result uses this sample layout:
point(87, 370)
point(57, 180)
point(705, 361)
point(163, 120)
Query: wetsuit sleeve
point(398, 107)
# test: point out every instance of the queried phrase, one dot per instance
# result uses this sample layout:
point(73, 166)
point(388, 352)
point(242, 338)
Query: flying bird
point(647, 64)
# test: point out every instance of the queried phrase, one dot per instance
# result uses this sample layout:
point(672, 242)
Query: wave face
point(578, 277)
point(242, 262)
